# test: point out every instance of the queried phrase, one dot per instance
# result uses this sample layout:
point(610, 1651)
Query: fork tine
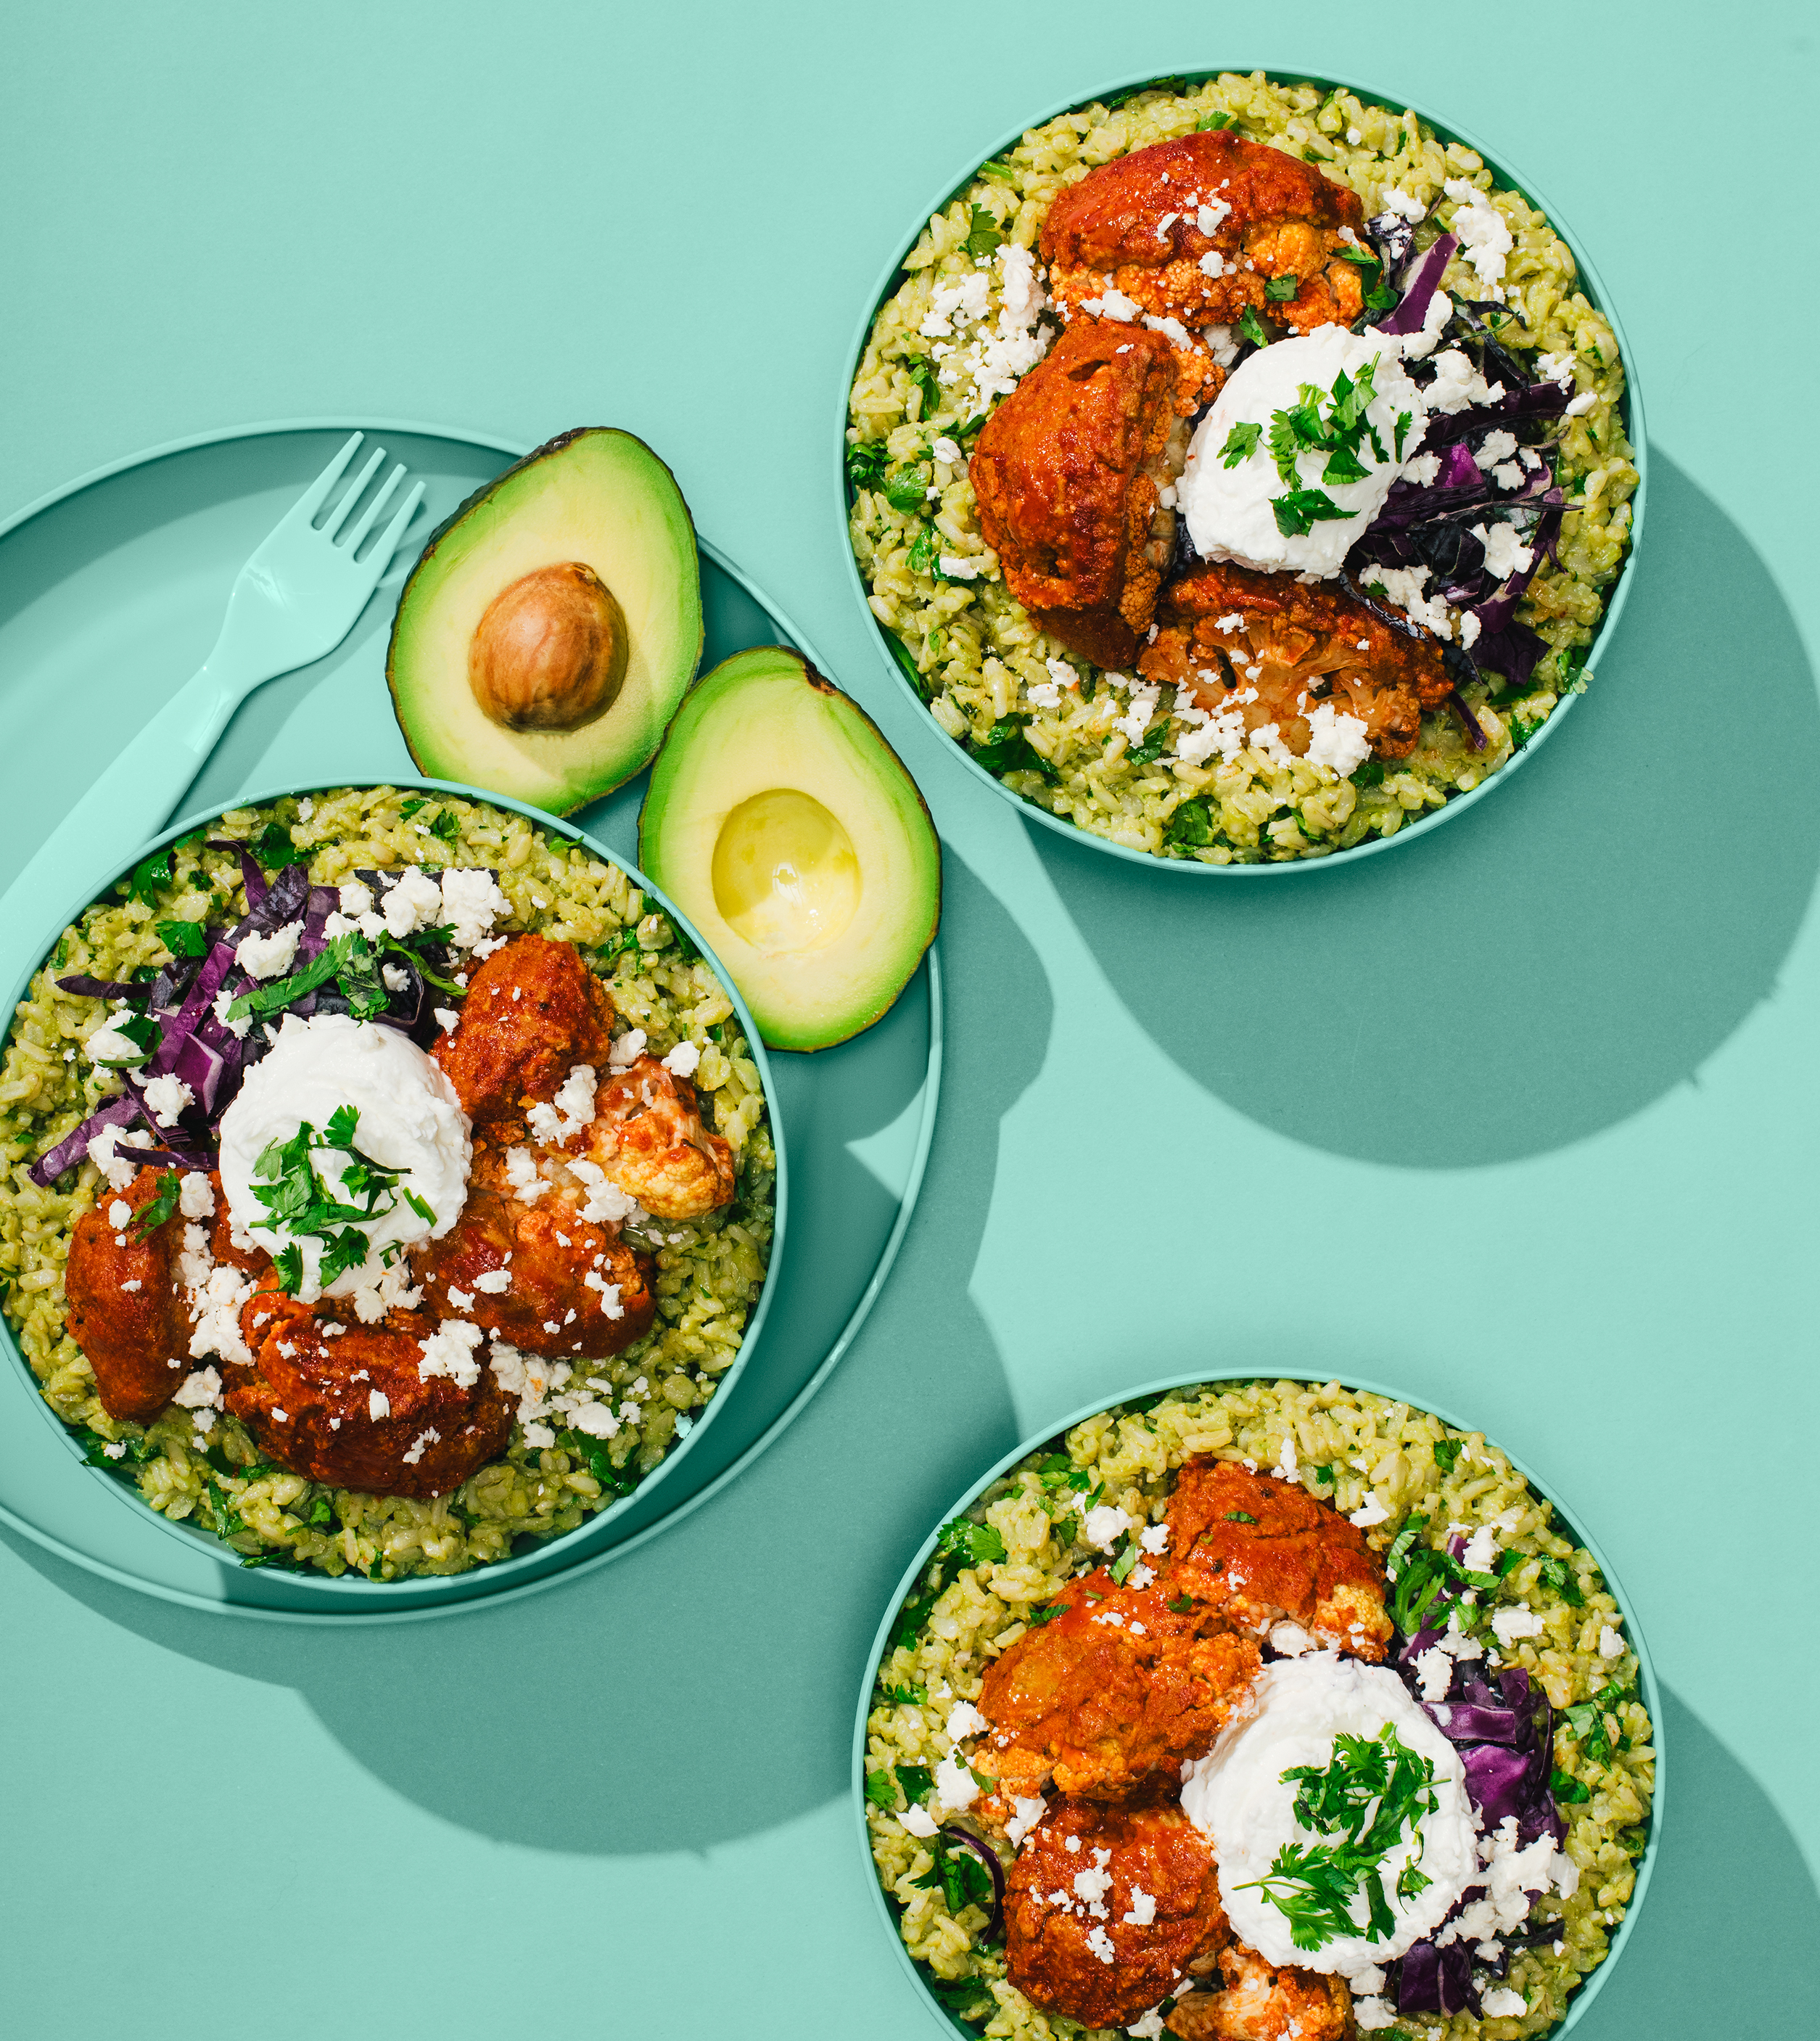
point(378, 503)
point(317, 494)
point(380, 557)
point(338, 516)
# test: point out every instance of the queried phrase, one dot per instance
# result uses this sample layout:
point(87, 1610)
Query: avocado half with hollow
point(780, 821)
point(544, 639)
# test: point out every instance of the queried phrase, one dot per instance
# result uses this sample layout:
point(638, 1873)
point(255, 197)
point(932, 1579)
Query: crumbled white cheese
point(683, 1060)
point(1498, 446)
point(608, 1205)
point(1611, 1644)
point(1402, 588)
point(1398, 200)
point(417, 1444)
point(1583, 404)
point(451, 1349)
point(957, 569)
point(1504, 553)
point(1423, 468)
point(379, 1405)
point(1457, 384)
point(1370, 1512)
point(1102, 1528)
point(627, 1049)
point(918, 1822)
point(571, 1110)
point(240, 1028)
point(956, 1787)
point(1434, 1670)
point(964, 1720)
point(1501, 2003)
point(1290, 1639)
point(1337, 740)
point(165, 1098)
point(1484, 234)
point(1025, 1815)
point(397, 979)
point(268, 956)
point(1512, 1623)
point(1101, 1944)
point(1556, 369)
point(1155, 1539)
point(414, 901)
point(194, 1195)
point(120, 1213)
point(201, 1389)
point(1372, 2013)
point(1142, 1909)
point(521, 1174)
point(1136, 720)
point(471, 901)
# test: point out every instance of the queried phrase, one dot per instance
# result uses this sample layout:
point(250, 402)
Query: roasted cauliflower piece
point(1105, 1908)
point(1068, 475)
point(1258, 2002)
point(647, 1136)
point(1117, 1689)
point(1191, 233)
point(1271, 648)
point(1263, 1553)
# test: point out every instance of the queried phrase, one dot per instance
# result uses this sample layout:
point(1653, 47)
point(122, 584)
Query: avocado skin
point(427, 561)
point(770, 662)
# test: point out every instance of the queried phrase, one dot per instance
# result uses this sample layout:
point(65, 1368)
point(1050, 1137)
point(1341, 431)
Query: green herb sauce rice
point(707, 1273)
point(972, 652)
point(1023, 1540)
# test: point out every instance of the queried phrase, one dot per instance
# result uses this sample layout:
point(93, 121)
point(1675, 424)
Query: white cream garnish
point(1238, 1798)
point(409, 1120)
point(1229, 510)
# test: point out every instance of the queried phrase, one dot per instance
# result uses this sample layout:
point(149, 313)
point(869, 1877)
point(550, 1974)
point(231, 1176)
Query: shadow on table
point(703, 1688)
point(1725, 1942)
point(1547, 964)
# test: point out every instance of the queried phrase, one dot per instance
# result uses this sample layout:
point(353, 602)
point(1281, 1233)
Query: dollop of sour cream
point(1238, 1798)
point(409, 1120)
point(1228, 509)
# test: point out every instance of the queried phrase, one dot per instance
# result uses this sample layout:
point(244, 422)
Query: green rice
point(707, 1272)
point(973, 652)
point(1373, 1447)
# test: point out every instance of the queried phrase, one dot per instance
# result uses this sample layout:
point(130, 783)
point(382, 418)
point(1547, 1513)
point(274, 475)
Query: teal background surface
point(1522, 1118)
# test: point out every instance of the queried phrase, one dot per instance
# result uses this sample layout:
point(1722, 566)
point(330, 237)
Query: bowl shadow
point(1548, 965)
point(556, 1721)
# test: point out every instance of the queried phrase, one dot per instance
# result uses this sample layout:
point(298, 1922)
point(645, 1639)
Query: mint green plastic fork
point(293, 603)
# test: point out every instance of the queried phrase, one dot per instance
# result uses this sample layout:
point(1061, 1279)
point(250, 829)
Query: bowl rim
point(1648, 1684)
point(1589, 281)
point(428, 1593)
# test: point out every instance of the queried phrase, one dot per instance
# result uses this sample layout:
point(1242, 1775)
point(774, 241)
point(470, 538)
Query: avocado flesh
point(787, 830)
point(598, 496)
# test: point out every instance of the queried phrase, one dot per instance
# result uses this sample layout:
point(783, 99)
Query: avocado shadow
point(556, 1721)
point(1550, 962)
point(1729, 1926)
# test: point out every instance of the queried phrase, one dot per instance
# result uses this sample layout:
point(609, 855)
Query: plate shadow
point(1549, 963)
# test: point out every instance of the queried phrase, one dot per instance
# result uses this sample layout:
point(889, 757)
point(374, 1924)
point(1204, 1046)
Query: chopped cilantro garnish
point(881, 1790)
point(907, 1696)
point(963, 1880)
point(1126, 1561)
point(924, 552)
point(1241, 442)
point(1446, 1454)
point(866, 464)
point(973, 1544)
point(1005, 749)
point(1279, 290)
point(1191, 824)
point(917, 1780)
point(922, 373)
point(1150, 750)
point(1369, 1792)
point(1252, 328)
point(148, 876)
point(272, 847)
point(141, 1030)
point(1563, 1580)
point(409, 808)
point(420, 1208)
point(984, 233)
point(1563, 1787)
point(1298, 513)
point(906, 490)
point(185, 938)
point(1047, 1613)
point(1215, 120)
point(153, 1214)
point(1323, 1475)
point(446, 826)
point(1239, 1516)
point(1182, 1604)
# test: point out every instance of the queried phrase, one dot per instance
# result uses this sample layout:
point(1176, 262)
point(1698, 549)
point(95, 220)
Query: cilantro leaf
point(917, 1780)
point(1216, 121)
point(414, 805)
point(1126, 1560)
point(983, 234)
point(1239, 1516)
point(149, 876)
point(1047, 1613)
point(272, 847)
point(881, 1790)
point(1563, 1580)
point(922, 373)
point(1150, 750)
point(339, 1132)
point(1241, 442)
point(906, 491)
point(1191, 824)
point(184, 939)
point(1252, 328)
point(866, 464)
point(973, 1544)
point(1298, 513)
point(1446, 1454)
point(153, 1214)
point(1279, 290)
point(446, 826)
point(907, 1696)
point(1570, 1790)
point(1005, 749)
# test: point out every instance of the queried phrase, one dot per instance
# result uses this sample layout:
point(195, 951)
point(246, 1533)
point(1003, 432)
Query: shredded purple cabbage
point(74, 1144)
point(1394, 238)
point(105, 988)
point(1432, 1980)
point(1419, 288)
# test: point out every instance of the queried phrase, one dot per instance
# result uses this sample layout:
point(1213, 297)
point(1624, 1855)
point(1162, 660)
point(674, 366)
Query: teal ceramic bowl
point(1632, 409)
point(1565, 1521)
point(420, 1594)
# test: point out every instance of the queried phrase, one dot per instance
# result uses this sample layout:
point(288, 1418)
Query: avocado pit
point(548, 652)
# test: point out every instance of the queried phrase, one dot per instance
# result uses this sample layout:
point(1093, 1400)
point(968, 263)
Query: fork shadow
point(743, 1632)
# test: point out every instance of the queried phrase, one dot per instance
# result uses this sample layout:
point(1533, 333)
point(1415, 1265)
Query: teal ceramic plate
point(1566, 1521)
point(1632, 407)
point(111, 592)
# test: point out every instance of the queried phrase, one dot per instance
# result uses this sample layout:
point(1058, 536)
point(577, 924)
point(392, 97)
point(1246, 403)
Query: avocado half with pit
point(780, 821)
point(544, 639)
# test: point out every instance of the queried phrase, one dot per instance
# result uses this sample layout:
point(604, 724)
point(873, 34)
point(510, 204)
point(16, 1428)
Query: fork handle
point(128, 804)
